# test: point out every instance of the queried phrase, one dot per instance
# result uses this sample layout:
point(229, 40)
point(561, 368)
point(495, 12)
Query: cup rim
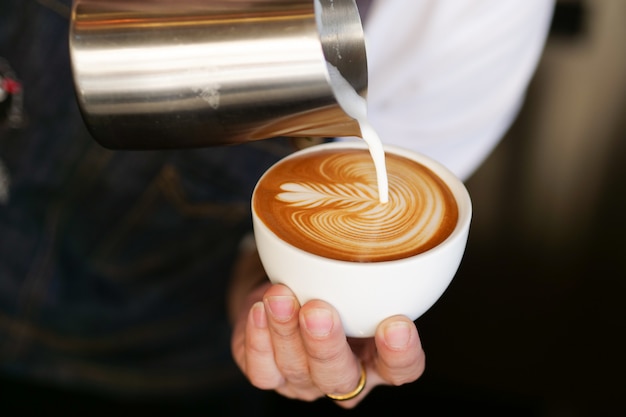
point(456, 186)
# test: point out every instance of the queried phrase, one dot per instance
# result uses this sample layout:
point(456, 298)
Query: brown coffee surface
point(327, 203)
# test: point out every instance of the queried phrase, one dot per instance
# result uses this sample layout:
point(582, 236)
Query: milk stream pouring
point(356, 107)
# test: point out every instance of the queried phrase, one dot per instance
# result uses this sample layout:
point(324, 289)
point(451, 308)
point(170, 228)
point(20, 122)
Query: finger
point(240, 326)
point(260, 366)
point(333, 366)
point(400, 358)
point(282, 309)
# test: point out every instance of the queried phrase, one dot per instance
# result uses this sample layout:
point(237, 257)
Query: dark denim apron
point(113, 265)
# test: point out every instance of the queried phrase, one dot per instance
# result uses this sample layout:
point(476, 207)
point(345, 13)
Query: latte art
point(327, 203)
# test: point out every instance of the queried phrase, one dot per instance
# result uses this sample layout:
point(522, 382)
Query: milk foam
point(325, 203)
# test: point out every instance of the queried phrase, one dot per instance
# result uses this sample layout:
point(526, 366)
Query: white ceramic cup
point(365, 294)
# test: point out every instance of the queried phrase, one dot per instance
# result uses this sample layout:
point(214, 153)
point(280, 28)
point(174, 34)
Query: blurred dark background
point(533, 324)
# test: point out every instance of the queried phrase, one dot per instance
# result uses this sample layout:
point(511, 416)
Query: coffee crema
point(326, 203)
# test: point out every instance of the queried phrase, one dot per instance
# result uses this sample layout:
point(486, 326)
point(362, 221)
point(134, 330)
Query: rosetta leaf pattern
point(315, 195)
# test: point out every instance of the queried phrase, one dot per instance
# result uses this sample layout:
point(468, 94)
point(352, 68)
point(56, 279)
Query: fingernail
point(397, 335)
point(282, 308)
point(258, 315)
point(318, 322)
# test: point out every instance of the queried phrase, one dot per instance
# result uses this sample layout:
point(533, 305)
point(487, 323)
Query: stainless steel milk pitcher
point(153, 74)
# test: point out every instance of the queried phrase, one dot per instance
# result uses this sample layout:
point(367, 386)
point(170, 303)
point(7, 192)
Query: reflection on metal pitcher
point(188, 73)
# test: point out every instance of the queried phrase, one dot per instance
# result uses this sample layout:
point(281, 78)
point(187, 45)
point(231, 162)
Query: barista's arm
point(248, 281)
point(447, 78)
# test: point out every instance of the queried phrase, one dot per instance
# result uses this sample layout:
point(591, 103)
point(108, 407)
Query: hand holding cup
point(321, 231)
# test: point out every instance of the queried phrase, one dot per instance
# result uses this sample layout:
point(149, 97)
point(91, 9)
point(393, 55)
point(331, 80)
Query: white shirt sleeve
point(447, 77)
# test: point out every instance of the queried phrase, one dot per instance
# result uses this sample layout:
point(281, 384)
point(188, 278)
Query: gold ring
point(355, 392)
